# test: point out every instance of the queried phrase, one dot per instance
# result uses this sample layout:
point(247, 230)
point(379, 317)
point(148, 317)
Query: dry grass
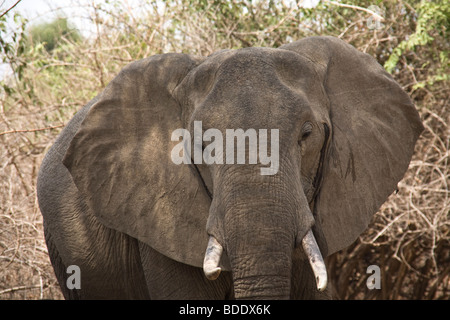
point(409, 236)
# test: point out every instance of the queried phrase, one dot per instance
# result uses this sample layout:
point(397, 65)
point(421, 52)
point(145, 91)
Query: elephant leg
point(108, 260)
point(59, 267)
point(169, 279)
point(108, 269)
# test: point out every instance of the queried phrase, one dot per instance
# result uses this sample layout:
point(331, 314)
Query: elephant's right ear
point(374, 127)
point(120, 160)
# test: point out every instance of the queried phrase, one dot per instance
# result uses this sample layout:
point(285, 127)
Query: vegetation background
point(56, 69)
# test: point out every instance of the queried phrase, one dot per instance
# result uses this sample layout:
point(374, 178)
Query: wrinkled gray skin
point(137, 225)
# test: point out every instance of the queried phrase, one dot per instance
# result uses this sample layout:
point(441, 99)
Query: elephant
point(140, 225)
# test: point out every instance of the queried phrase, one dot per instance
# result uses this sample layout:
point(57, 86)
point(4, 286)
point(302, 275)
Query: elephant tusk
point(312, 250)
point(212, 258)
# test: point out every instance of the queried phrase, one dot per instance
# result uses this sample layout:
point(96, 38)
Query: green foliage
point(12, 52)
point(52, 34)
point(432, 17)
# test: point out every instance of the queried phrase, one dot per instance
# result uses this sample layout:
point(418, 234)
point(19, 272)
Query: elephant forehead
point(263, 67)
point(251, 69)
point(256, 86)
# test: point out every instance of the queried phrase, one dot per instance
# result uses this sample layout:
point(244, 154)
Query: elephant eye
point(306, 130)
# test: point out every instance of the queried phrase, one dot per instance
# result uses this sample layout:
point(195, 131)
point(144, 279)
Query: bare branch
point(18, 288)
point(15, 4)
point(376, 15)
point(31, 130)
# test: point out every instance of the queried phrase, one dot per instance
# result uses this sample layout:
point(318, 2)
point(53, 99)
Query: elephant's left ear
point(374, 127)
point(120, 160)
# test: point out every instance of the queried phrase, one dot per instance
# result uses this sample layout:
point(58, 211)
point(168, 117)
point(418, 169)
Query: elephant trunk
point(258, 224)
point(269, 279)
point(260, 248)
point(309, 244)
point(259, 245)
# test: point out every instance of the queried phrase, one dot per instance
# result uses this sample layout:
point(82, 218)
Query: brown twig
point(32, 130)
point(15, 4)
point(18, 288)
point(350, 6)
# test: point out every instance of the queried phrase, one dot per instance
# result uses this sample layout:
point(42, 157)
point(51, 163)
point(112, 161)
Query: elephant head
point(345, 134)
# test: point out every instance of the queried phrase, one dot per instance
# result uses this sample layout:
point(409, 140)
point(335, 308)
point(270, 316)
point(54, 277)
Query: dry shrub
point(25, 272)
point(409, 236)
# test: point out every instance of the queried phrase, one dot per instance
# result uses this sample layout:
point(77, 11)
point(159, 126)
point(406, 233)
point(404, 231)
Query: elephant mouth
point(309, 244)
